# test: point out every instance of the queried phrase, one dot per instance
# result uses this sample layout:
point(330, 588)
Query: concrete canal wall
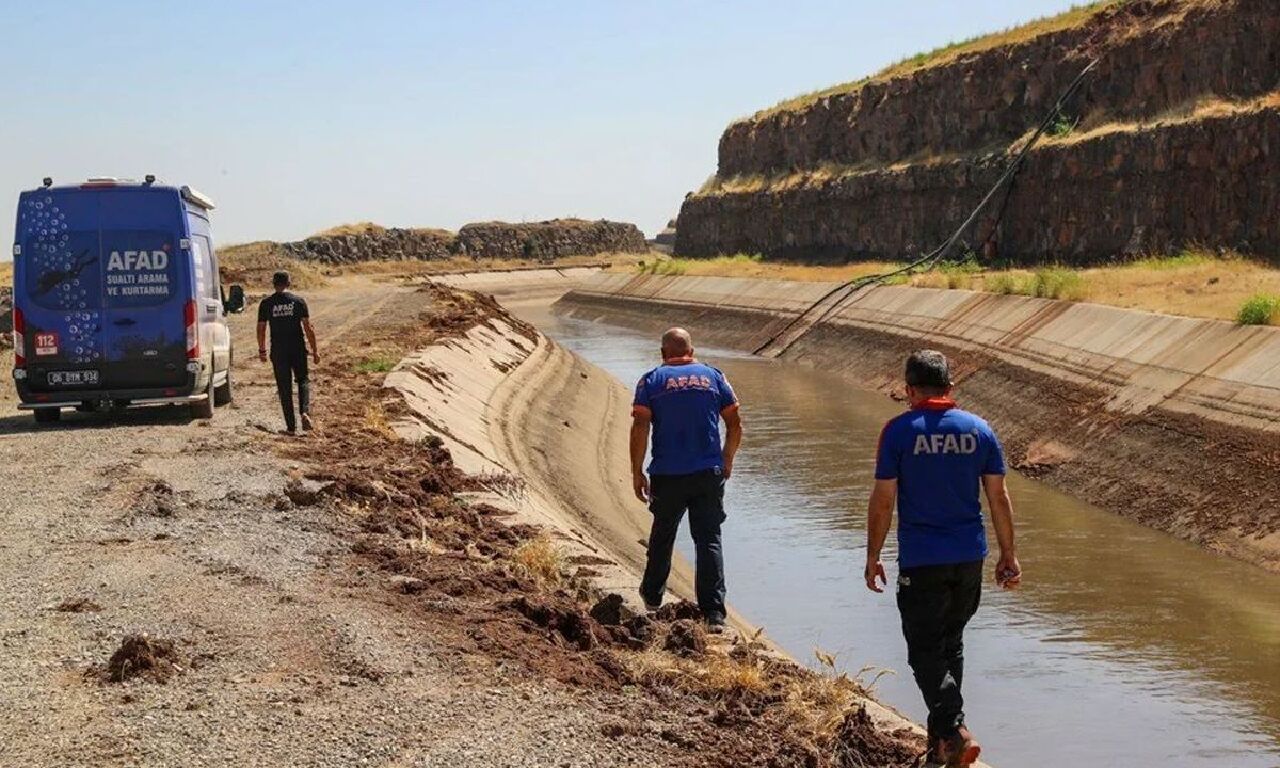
point(1173, 422)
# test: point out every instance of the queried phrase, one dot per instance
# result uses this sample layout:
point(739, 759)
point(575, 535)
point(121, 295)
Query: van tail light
point(193, 331)
point(19, 339)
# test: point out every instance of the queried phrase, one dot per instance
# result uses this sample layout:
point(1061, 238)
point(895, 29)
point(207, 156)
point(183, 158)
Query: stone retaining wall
point(546, 240)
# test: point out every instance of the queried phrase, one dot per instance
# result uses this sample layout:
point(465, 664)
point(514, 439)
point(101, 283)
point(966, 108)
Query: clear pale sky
point(297, 116)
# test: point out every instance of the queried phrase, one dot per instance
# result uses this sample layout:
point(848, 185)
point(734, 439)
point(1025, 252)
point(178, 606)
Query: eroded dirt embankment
point(1170, 421)
point(542, 436)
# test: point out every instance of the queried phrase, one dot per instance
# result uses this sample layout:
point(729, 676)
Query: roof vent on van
point(197, 198)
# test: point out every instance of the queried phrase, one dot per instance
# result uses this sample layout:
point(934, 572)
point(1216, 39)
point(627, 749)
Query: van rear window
point(139, 267)
point(64, 272)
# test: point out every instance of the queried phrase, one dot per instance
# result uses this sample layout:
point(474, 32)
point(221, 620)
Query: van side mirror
point(234, 303)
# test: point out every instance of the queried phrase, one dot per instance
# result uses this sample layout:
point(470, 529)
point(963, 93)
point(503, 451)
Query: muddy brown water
point(1125, 647)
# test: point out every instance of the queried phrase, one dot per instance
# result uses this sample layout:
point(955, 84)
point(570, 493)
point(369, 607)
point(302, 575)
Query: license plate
point(72, 378)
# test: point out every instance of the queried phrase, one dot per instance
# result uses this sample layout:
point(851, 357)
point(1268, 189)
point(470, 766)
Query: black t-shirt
point(284, 312)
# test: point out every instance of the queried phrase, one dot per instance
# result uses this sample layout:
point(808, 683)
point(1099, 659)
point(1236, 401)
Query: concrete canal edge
point(1173, 422)
point(550, 429)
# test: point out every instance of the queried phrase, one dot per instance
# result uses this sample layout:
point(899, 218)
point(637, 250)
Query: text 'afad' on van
point(117, 300)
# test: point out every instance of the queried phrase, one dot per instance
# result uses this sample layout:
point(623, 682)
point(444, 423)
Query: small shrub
point(539, 558)
point(1060, 284)
point(1062, 126)
point(1007, 284)
point(1261, 309)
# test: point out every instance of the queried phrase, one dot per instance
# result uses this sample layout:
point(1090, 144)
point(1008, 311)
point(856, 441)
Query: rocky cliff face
point(548, 239)
point(1155, 56)
point(545, 240)
point(390, 244)
point(1207, 182)
point(892, 168)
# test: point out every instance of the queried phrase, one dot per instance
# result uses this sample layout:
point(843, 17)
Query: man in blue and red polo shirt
point(932, 460)
point(683, 402)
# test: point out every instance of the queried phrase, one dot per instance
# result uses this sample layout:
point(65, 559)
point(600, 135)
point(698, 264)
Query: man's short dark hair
point(928, 370)
point(280, 280)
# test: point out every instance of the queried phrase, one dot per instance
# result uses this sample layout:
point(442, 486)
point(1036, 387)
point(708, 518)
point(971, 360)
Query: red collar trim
point(686, 360)
point(935, 404)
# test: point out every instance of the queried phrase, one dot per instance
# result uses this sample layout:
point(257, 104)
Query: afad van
point(117, 300)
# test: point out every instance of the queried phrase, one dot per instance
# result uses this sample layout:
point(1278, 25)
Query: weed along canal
point(1125, 646)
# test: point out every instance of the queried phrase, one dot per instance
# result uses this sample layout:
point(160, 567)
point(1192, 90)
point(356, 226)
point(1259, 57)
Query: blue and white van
point(117, 301)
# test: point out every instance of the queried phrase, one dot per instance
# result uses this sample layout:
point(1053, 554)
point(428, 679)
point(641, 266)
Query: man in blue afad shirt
point(683, 401)
point(932, 460)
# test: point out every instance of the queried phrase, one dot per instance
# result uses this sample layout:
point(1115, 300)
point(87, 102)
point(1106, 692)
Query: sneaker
point(715, 625)
point(961, 749)
point(306, 422)
point(289, 431)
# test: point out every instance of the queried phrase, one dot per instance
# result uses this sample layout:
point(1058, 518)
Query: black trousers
point(936, 602)
point(290, 366)
point(702, 495)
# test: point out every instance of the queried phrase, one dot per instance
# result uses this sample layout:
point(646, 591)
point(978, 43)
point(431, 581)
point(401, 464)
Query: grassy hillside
point(950, 52)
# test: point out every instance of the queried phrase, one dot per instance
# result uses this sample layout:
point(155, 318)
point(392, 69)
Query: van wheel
point(222, 395)
point(47, 415)
point(203, 409)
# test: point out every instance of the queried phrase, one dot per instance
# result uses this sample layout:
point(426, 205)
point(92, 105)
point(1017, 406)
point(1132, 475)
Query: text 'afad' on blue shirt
point(938, 454)
point(685, 400)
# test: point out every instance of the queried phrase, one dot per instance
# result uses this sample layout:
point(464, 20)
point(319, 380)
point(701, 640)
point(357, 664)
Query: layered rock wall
point(1206, 182)
point(1176, 144)
point(1155, 56)
point(547, 240)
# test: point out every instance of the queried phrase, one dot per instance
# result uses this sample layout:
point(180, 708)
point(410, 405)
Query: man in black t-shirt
point(286, 313)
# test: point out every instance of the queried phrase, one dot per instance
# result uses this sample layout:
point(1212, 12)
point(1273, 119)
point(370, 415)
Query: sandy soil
point(291, 650)
point(353, 598)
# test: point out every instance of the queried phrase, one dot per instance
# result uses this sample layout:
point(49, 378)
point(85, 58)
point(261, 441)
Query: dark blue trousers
point(702, 495)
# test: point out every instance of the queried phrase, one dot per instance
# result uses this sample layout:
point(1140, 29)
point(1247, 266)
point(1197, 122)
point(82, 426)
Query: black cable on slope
point(943, 252)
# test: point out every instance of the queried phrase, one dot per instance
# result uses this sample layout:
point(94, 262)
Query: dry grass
point(539, 558)
point(6, 273)
point(251, 265)
point(370, 228)
point(752, 265)
point(815, 704)
point(1195, 283)
point(715, 675)
point(374, 421)
point(949, 53)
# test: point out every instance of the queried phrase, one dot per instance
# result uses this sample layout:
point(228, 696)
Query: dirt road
point(290, 653)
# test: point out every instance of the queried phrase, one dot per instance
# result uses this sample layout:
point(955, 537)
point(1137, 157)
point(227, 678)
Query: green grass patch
point(376, 365)
point(1062, 284)
point(1260, 309)
point(679, 266)
point(1183, 260)
point(1010, 285)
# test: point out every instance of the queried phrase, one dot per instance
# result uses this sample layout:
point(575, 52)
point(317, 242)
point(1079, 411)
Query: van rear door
point(104, 287)
point(58, 277)
point(145, 288)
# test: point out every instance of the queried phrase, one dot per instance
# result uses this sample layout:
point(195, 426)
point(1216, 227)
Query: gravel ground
point(289, 653)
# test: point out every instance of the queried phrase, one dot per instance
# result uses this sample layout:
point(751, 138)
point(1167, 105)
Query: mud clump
point(77, 605)
point(611, 611)
point(143, 656)
point(564, 618)
point(859, 742)
point(678, 611)
point(686, 638)
point(158, 499)
point(302, 494)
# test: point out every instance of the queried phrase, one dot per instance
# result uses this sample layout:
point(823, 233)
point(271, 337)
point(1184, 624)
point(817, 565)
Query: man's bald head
point(676, 343)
